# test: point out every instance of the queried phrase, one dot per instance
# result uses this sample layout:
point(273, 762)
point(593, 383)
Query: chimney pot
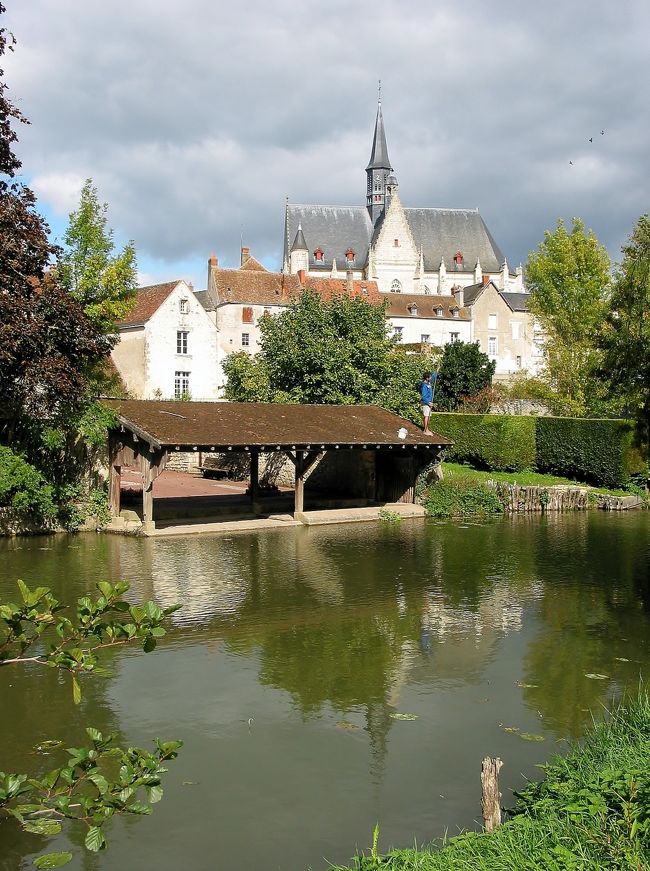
point(212, 260)
point(301, 277)
point(486, 280)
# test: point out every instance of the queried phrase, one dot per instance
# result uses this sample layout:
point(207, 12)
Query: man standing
point(426, 390)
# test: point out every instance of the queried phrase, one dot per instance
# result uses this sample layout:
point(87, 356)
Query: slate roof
point(439, 232)
point(518, 302)
point(398, 306)
point(209, 425)
point(147, 302)
point(472, 292)
point(379, 157)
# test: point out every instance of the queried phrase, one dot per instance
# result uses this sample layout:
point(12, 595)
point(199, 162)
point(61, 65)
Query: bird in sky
point(591, 138)
point(602, 132)
point(570, 163)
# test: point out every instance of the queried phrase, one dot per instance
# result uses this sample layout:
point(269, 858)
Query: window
point(318, 255)
point(492, 346)
point(425, 338)
point(427, 290)
point(245, 340)
point(492, 322)
point(515, 326)
point(453, 337)
point(181, 342)
point(454, 313)
point(247, 314)
point(183, 306)
point(413, 309)
point(399, 333)
point(396, 243)
point(181, 384)
point(439, 312)
point(518, 359)
point(396, 287)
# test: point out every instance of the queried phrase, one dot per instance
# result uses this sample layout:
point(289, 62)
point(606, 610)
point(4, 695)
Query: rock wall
point(561, 497)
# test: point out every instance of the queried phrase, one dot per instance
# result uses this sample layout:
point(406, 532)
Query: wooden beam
point(115, 478)
point(255, 477)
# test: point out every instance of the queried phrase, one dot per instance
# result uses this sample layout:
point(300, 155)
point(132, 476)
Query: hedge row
point(600, 452)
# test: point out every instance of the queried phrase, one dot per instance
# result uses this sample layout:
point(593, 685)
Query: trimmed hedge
point(498, 442)
point(600, 452)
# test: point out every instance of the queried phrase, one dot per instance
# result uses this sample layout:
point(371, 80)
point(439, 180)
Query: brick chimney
point(486, 280)
point(302, 275)
point(212, 260)
point(349, 281)
point(245, 255)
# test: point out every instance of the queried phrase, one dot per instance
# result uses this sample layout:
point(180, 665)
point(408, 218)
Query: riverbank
point(590, 812)
point(465, 491)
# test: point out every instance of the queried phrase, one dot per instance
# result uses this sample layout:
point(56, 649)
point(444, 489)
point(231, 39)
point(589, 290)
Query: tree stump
point(491, 800)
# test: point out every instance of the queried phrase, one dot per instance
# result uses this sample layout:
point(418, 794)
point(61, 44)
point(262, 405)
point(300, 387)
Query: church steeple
point(378, 168)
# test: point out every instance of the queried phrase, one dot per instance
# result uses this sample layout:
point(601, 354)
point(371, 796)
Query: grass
point(458, 472)
point(590, 812)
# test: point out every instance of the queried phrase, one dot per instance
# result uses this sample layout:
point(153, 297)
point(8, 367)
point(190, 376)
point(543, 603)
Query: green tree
point(334, 351)
point(99, 781)
point(568, 277)
point(102, 282)
point(626, 338)
point(464, 372)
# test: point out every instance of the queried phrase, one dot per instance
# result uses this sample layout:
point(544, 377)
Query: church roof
point(440, 233)
point(379, 157)
point(147, 302)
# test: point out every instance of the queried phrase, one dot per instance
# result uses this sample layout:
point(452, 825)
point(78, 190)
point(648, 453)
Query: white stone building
point(168, 346)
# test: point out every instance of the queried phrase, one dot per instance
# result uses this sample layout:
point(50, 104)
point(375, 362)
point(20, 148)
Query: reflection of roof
point(426, 305)
point(209, 425)
point(147, 302)
point(440, 233)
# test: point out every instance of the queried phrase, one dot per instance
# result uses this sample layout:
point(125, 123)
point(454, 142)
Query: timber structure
point(148, 431)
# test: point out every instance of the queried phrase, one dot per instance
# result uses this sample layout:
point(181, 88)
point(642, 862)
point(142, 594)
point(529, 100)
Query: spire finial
point(379, 92)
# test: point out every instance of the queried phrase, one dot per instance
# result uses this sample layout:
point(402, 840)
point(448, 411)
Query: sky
point(197, 120)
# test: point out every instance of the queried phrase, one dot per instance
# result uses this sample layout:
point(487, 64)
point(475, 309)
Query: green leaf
point(99, 780)
point(52, 860)
point(149, 644)
point(94, 735)
point(24, 590)
point(155, 793)
point(105, 589)
point(597, 676)
point(42, 827)
point(76, 691)
point(95, 839)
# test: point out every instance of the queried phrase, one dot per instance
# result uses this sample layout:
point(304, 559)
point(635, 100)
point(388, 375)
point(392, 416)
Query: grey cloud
point(197, 121)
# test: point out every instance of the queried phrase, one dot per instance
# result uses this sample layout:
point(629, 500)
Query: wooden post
point(254, 479)
point(491, 797)
point(115, 478)
point(300, 484)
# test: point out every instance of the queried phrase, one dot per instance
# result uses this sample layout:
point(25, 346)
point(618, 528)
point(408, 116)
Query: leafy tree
point(626, 338)
point(103, 283)
point(464, 372)
point(568, 277)
point(94, 783)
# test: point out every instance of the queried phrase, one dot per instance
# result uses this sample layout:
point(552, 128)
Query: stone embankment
point(560, 497)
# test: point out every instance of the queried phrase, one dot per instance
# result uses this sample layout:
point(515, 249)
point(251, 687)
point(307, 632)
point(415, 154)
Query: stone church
point(412, 251)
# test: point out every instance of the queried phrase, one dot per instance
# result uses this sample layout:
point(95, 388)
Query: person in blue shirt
point(426, 391)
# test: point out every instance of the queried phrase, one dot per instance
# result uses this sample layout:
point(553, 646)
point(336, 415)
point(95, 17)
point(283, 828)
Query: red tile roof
point(253, 265)
point(398, 306)
point(147, 302)
point(274, 288)
point(329, 287)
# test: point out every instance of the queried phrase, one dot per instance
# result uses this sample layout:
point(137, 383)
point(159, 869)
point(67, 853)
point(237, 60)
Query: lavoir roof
point(268, 426)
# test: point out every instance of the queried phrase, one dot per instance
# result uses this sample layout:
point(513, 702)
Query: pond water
point(296, 652)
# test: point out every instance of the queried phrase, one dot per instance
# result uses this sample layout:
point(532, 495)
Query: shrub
point(498, 442)
point(23, 487)
point(602, 452)
point(461, 499)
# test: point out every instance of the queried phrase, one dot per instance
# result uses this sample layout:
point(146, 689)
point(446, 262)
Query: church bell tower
point(378, 169)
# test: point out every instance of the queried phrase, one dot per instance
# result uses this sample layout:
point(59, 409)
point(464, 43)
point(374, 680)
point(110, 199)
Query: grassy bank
point(590, 812)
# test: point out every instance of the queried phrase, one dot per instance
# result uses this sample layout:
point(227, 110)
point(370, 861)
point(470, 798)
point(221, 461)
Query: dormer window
point(454, 313)
point(318, 255)
point(396, 287)
point(183, 306)
point(349, 255)
point(458, 259)
point(439, 312)
point(413, 309)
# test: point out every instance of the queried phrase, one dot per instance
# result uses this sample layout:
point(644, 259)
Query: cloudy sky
point(197, 119)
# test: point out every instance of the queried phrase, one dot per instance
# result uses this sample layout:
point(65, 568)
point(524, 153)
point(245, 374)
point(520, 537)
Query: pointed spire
point(379, 157)
point(299, 243)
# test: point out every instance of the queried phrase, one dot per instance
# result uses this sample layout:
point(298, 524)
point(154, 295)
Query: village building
point(167, 346)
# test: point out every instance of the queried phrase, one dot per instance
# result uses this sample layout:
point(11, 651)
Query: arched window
point(396, 287)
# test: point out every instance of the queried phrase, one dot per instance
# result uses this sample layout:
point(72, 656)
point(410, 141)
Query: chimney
point(349, 282)
point(301, 277)
point(486, 280)
point(459, 294)
point(212, 260)
point(245, 255)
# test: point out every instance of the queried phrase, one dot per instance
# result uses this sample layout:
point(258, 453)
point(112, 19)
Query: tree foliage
point(568, 277)
point(334, 351)
point(465, 371)
point(626, 338)
point(100, 781)
point(104, 283)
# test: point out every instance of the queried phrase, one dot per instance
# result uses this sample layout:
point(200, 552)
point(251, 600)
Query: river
point(325, 679)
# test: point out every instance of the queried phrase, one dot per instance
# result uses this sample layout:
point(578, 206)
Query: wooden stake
point(491, 800)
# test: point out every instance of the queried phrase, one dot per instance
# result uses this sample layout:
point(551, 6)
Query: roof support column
point(115, 480)
point(254, 486)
